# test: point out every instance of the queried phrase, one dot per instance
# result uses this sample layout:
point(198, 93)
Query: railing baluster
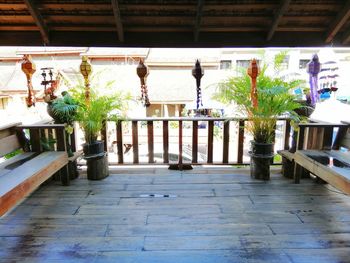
point(226, 141)
point(104, 135)
point(180, 145)
point(210, 141)
point(135, 141)
point(35, 139)
point(240, 141)
point(287, 135)
point(120, 142)
point(150, 142)
point(195, 141)
point(165, 141)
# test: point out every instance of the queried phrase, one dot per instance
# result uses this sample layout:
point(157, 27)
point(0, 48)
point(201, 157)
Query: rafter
point(118, 21)
point(277, 17)
point(338, 22)
point(39, 21)
point(197, 24)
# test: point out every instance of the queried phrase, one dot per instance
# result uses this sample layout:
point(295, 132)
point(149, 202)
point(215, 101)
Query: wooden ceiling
point(172, 23)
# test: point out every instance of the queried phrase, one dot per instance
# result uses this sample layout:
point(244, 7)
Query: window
point(245, 63)
point(3, 103)
point(303, 63)
point(225, 64)
point(283, 63)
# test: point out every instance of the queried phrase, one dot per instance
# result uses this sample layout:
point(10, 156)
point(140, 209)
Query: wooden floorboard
point(211, 214)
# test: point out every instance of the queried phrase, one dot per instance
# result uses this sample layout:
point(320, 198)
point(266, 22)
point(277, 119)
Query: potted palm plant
point(274, 97)
point(91, 118)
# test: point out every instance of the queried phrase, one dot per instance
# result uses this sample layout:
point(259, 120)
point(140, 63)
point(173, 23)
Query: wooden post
point(240, 141)
point(195, 141)
point(120, 142)
point(210, 141)
point(135, 141)
point(226, 141)
point(165, 141)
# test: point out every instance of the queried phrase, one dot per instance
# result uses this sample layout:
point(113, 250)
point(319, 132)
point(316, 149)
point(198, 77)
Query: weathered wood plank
point(195, 141)
point(240, 141)
point(226, 142)
point(166, 141)
point(120, 142)
point(210, 141)
point(135, 142)
point(150, 140)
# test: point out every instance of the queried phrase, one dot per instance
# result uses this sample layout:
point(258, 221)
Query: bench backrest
point(345, 141)
point(8, 139)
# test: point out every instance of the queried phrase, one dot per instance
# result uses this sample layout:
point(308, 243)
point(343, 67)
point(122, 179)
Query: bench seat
point(331, 166)
point(20, 181)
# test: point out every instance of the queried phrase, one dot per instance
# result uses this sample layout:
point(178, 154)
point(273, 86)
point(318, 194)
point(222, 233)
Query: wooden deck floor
point(211, 215)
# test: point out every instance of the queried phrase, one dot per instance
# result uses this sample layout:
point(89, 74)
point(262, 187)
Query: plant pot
point(260, 168)
point(97, 166)
point(93, 148)
point(258, 148)
point(260, 160)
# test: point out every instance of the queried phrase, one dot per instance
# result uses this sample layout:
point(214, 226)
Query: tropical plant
point(275, 98)
point(101, 107)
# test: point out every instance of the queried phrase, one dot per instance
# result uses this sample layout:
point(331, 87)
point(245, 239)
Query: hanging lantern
point(313, 68)
point(28, 67)
point(85, 70)
point(253, 72)
point(197, 73)
point(142, 72)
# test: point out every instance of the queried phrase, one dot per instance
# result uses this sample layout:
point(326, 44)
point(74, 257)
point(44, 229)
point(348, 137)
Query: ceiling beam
point(118, 21)
point(197, 24)
point(282, 8)
point(39, 21)
point(338, 22)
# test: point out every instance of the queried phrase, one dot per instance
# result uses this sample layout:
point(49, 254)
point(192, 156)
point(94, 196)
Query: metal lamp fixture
point(28, 67)
point(142, 72)
point(85, 70)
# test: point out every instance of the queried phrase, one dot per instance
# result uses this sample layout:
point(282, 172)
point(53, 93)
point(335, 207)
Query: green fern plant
point(102, 107)
point(275, 98)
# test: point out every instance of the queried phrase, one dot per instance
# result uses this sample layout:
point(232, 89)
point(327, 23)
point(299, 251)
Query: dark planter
point(260, 160)
point(97, 166)
point(96, 160)
point(93, 148)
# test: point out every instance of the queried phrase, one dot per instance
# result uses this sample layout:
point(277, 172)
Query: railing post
point(195, 141)
point(210, 141)
point(226, 141)
point(287, 135)
point(241, 124)
point(150, 141)
point(135, 142)
point(120, 142)
point(180, 145)
point(165, 141)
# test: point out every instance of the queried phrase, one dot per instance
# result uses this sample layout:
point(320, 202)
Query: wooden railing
point(234, 143)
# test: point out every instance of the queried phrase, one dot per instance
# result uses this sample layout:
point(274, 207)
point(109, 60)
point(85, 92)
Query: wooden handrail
point(166, 137)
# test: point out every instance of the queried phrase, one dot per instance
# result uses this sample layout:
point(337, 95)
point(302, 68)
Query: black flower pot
point(260, 160)
point(96, 160)
point(93, 148)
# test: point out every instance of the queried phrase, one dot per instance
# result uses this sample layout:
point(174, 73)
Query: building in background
point(171, 85)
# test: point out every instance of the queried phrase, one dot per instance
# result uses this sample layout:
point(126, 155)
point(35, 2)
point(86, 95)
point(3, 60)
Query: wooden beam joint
point(39, 21)
point(277, 17)
point(118, 21)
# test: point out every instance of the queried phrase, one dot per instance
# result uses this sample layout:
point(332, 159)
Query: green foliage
point(13, 154)
point(65, 108)
point(47, 144)
point(107, 106)
point(275, 98)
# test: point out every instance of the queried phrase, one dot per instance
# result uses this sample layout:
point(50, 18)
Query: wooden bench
point(23, 173)
point(330, 161)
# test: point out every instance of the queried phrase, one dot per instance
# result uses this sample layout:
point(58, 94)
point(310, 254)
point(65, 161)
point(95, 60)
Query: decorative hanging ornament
point(197, 73)
point(28, 67)
point(49, 92)
point(253, 72)
point(142, 72)
point(313, 68)
point(85, 70)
